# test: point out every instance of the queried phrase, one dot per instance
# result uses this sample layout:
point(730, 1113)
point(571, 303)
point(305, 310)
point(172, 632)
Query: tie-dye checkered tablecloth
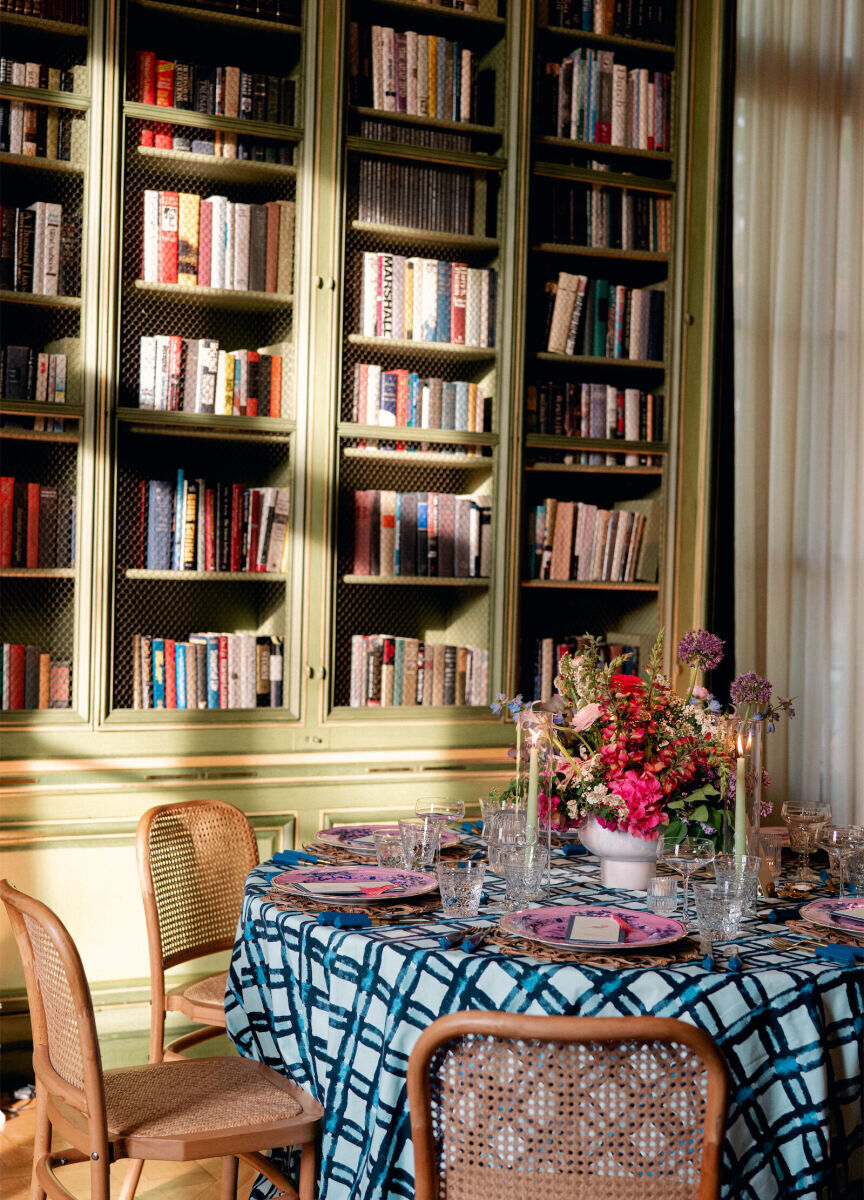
point(340, 1010)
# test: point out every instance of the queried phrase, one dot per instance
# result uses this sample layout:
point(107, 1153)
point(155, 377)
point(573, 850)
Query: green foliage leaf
point(700, 813)
point(676, 829)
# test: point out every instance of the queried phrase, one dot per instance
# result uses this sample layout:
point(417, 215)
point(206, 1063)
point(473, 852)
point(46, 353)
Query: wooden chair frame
point(517, 1027)
point(80, 1115)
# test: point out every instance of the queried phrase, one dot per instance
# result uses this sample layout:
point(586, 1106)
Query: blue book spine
point(179, 515)
point(462, 406)
point(157, 649)
point(159, 525)
point(422, 534)
point(387, 402)
point(180, 666)
point(413, 400)
point(397, 555)
point(588, 27)
point(445, 273)
point(212, 672)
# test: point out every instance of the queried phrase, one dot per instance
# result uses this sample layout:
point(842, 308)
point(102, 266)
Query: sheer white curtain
point(798, 258)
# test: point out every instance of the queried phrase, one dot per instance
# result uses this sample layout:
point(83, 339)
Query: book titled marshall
point(394, 672)
point(571, 540)
point(37, 524)
point(432, 534)
point(426, 300)
point(32, 678)
point(214, 243)
point(600, 319)
point(207, 671)
point(194, 375)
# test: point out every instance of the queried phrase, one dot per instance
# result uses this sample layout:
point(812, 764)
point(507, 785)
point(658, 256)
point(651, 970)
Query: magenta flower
point(750, 688)
point(701, 649)
point(643, 796)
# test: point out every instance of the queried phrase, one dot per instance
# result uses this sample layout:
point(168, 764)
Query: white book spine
point(473, 289)
point(377, 89)
point(42, 379)
point(151, 237)
point(484, 307)
point(38, 247)
point(218, 206)
point(229, 246)
point(373, 393)
point(369, 295)
point(429, 303)
point(411, 63)
point(619, 105)
point(242, 216)
point(51, 249)
point(631, 423)
point(163, 352)
point(388, 63)
point(147, 373)
point(59, 396)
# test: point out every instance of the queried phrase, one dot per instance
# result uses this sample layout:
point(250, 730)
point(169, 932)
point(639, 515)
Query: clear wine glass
point(685, 857)
point(842, 841)
point(805, 821)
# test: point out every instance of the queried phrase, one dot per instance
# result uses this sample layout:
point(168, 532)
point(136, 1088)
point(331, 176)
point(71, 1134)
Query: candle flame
point(740, 746)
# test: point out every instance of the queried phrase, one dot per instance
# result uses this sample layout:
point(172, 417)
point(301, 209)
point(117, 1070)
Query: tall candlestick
point(533, 788)
point(741, 801)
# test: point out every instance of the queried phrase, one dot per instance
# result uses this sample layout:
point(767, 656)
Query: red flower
point(626, 683)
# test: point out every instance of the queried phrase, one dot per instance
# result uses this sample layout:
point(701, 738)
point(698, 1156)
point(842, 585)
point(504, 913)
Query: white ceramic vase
point(625, 861)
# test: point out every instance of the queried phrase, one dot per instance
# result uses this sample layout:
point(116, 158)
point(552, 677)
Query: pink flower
point(643, 797)
point(586, 717)
point(699, 692)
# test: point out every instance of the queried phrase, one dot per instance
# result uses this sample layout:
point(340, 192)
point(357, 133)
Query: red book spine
point(146, 78)
point(32, 524)
point(276, 386)
point(170, 674)
point(362, 532)
point(169, 210)
point(254, 523)
point(236, 525)
point(205, 242)
point(17, 659)
point(458, 289)
point(252, 359)
point(401, 402)
point(7, 492)
point(209, 529)
point(164, 84)
point(223, 671)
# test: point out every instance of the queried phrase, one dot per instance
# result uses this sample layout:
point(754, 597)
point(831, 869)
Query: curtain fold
point(798, 297)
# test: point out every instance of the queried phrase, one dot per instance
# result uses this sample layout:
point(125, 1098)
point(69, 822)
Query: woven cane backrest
point(198, 855)
point(534, 1120)
point(61, 1017)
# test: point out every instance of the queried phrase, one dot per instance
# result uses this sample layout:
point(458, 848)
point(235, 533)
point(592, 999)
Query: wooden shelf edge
point(390, 433)
point(7, 297)
point(571, 445)
point(215, 164)
point(44, 25)
point(238, 20)
point(430, 154)
point(47, 96)
point(137, 573)
point(599, 148)
point(37, 572)
point(400, 345)
point(34, 162)
point(657, 256)
point(377, 114)
point(208, 295)
point(633, 183)
point(409, 234)
point(215, 421)
point(416, 580)
point(615, 40)
point(596, 585)
point(196, 120)
point(627, 364)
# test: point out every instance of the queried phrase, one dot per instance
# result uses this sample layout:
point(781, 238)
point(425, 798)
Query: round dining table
point(339, 1011)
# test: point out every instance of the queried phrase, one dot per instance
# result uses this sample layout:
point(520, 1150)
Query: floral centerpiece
point(632, 756)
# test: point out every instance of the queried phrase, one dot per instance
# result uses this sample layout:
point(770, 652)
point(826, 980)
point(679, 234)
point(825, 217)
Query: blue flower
point(714, 705)
point(496, 708)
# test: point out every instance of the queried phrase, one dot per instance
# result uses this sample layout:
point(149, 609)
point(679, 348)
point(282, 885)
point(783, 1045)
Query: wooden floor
point(159, 1181)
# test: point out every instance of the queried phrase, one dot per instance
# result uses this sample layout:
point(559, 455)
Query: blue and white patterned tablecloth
point(339, 1012)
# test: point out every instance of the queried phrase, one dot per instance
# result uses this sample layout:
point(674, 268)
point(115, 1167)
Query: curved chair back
point(193, 859)
point(566, 1108)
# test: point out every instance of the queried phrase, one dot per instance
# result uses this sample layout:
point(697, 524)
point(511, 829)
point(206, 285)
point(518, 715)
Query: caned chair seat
point(203, 1000)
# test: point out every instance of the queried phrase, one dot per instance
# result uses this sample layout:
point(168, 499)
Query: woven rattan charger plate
point(337, 856)
point(825, 934)
point(384, 912)
point(686, 950)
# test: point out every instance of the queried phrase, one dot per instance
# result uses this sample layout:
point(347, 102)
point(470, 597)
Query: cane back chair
point(193, 859)
point(566, 1108)
point(177, 1111)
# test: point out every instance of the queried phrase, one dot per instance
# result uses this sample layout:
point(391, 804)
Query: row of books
point(27, 373)
point(407, 400)
point(414, 135)
point(216, 243)
point(433, 534)
point(602, 319)
point(392, 672)
point(571, 540)
point(595, 410)
point(586, 214)
point(262, 10)
point(424, 76)
point(194, 375)
point(219, 91)
point(427, 300)
point(549, 651)
point(36, 130)
point(72, 11)
point(589, 97)
point(33, 679)
point(37, 524)
point(208, 670)
point(190, 525)
point(648, 20)
point(34, 249)
point(397, 193)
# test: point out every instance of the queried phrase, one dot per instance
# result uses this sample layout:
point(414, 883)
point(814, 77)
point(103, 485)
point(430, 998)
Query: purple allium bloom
point(750, 688)
point(702, 649)
point(706, 829)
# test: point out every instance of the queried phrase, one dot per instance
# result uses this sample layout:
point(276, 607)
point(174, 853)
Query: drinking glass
point(663, 895)
point(856, 871)
point(524, 866)
point(507, 829)
point(771, 848)
point(842, 841)
point(719, 908)
point(388, 848)
point(445, 808)
point(420, 837)
point(685, 857)
point(742, 869)
point(461, 886)
point(804, 822)
point(488, 808)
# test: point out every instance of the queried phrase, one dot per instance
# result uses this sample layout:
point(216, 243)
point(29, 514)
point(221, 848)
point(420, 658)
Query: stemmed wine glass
point(685, 857)
point(805, 821)
point(841, 841)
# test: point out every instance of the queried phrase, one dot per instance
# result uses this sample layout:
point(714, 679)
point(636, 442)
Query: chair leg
point(308, 1171)
point(130, 1183)
point(229, 1179)
point(41, 1140)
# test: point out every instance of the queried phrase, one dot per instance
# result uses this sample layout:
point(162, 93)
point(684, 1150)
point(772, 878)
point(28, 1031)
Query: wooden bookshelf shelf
point(35, 408)
point(223, 297)
point(206, 576)
point(429, 237)
point(37, 298)
point(608, 41)
point(233, 20)
point(607, 252)
point(426, 154)
point(571, 445)
point(587, 360)
point(634, 183)
point(603, 148)
point(438, 13)
point(593, 585)
point(196, 120)
point(415, 581)
point(34, 163)
point(401, 118)
point(37, 572)
point(146, 420)
point(400, 345)
point(587, 469)
point(11, 91)
point(43, 25)
point(239, 169)
point(422, 458)
point(37, 435)
point(394, 433)
point(410, 712)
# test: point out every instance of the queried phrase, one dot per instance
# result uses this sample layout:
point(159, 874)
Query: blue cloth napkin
point(471, 826)
point(847, 955)
point(340, 920)
point(293, 858)
point(574, 850)
point(784, 913)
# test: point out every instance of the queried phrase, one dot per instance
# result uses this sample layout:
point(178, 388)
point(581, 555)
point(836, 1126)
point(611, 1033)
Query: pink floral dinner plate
point(359, 838)
point(549, 926)
point(819, 912)
point(355, 885)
